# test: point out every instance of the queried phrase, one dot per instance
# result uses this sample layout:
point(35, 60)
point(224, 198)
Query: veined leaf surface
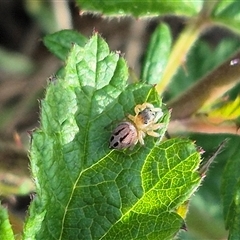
point(86, 190)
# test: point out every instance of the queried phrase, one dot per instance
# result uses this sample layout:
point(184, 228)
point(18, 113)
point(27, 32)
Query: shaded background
point(26, 65)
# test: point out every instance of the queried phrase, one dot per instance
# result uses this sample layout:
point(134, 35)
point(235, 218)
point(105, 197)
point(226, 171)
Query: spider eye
point(147, 115)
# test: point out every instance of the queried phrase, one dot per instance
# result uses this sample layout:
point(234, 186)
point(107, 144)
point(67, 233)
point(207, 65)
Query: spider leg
point(153, 134)
point(156, 109)
point(141, 135)
point(155, 126)
point(131, 117)
point(138, 109)
point(147, 105)
point(158, 115)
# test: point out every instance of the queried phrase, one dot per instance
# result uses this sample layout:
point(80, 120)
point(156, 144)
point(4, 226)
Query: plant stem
point(180, 50)
point(184, 43)
point(200, 125)
point(207, 90)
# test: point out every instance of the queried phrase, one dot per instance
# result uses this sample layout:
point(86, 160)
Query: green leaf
point(60, 43)
point(6, 232)
point(229, 110)
point(141, 8)
point(86, 190)
point(231, 192)
point(157, 54)
point(165, 186)
point(227, 14)
point(205, 215)
point(234, 215)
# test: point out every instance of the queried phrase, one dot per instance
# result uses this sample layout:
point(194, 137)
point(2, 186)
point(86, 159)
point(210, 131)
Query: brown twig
point(207, 90)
